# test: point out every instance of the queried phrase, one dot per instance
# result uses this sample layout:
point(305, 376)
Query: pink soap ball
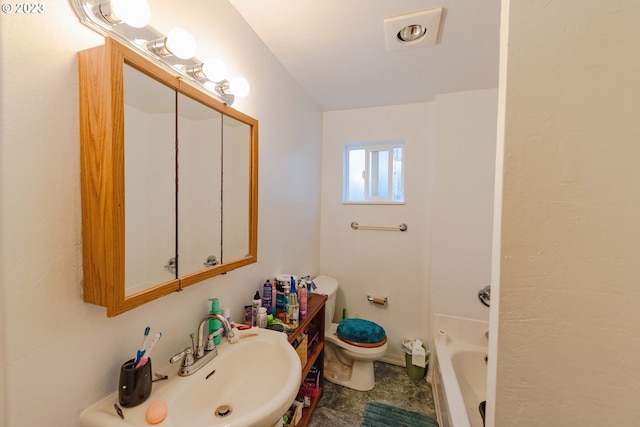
point(157, 412)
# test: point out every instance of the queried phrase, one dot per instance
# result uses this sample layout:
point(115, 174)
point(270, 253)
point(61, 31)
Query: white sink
point(257, 378)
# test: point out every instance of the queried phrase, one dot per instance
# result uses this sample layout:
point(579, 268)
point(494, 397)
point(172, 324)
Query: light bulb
point(214, 69)
point(135, 13)
point(180, 43)
point(239, 86)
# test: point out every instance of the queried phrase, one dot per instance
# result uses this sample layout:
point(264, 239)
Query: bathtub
point(459, 381)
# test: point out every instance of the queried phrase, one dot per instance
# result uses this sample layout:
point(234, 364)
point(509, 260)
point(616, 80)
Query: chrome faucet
point(200, 348)
point(195, 358)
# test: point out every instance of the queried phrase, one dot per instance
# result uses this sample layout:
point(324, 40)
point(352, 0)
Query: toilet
point(351, 346)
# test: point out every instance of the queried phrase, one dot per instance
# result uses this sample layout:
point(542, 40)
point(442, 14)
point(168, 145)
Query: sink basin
point(256, 379)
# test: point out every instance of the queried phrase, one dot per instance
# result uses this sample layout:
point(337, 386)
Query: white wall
point(60, 354)
point(443, 259)
point(462, 201)
point(568, 317)
point(380, 263)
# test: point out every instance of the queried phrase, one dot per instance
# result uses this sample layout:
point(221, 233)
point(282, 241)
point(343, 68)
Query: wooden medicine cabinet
point(169, 181)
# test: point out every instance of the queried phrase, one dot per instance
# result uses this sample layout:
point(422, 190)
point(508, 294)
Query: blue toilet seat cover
point(361, 331)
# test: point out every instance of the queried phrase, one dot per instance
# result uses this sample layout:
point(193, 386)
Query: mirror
point(199, 186)
point(235, 172)
point(169, 181)
point(149, 162)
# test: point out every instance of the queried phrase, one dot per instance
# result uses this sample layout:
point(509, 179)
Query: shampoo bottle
point(215, 324)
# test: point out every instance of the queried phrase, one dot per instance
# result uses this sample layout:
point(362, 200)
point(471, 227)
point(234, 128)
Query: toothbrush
point(147, 350)
point(144, 344)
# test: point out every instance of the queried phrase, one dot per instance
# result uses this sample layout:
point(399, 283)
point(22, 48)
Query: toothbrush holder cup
point(135, 383)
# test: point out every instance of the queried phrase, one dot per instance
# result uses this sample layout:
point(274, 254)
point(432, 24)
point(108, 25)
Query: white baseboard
point(393, 359)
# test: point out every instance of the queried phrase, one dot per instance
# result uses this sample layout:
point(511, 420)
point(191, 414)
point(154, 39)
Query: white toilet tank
point(327, 286)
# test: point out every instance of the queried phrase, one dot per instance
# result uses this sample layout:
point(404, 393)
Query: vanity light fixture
point(178, 43)
point(128, 22)
point(238, 86)
point(211, 69)
point(135, 13)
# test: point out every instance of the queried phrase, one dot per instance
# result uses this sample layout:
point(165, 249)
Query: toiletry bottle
point(248, 310)
point(292, 310)
point(302, 291)
point(262, 317)
point(287, 307)
point(293, 285)
point(279, 297)
point(267, 290)
point(226, 312)
point(274, 297)
point(215, 324)
point(255, 304)
point(287, 291)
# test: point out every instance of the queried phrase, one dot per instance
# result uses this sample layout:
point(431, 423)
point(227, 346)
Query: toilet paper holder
point(379, 301)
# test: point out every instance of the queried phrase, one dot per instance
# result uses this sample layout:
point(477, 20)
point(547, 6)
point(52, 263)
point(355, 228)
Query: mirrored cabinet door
point(236, 174)
point(199, 186)
point(150, 182)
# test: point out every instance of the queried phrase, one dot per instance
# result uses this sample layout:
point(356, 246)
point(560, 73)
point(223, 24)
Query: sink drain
point(223, 411)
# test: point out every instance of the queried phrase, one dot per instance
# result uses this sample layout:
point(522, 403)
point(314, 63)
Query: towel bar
point(401, 227)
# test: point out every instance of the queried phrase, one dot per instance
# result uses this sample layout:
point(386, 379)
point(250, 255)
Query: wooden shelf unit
point(315, 318)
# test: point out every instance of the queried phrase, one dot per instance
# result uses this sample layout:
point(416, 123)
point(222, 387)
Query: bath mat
point(380, 415)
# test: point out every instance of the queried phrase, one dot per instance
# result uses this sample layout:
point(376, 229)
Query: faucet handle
point(187, 353)
point(210, 345)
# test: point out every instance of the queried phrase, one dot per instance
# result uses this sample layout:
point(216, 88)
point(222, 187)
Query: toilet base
point(362, 378)
point(354, 374)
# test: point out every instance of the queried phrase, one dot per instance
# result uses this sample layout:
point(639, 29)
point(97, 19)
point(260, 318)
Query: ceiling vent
point(418, 29)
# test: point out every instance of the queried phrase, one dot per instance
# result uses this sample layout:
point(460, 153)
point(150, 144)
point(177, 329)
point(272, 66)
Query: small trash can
point(414, 372)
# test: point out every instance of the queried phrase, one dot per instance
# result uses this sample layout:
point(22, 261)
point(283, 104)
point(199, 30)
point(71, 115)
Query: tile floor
point(343, 407)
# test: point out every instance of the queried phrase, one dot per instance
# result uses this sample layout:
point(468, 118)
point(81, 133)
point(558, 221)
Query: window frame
point(368, 148)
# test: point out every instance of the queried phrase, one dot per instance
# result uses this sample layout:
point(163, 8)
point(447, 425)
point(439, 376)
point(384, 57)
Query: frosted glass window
point(373, 172)
point(379, 173)
point(355, 178)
